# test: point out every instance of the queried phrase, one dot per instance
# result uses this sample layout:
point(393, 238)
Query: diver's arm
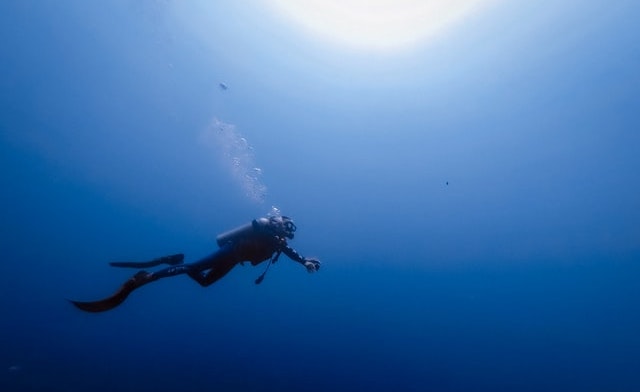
point(312, 265)
point(292, 254)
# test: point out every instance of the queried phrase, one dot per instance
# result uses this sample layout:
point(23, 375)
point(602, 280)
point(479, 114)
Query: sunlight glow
point(376, 24)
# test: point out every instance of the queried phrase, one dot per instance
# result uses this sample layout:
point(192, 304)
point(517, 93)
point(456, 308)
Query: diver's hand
point(312, 265)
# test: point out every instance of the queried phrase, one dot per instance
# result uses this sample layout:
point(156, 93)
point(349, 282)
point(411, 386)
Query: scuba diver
point(260, 240)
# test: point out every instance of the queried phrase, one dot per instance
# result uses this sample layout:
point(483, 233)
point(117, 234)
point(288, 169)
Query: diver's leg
point(218, 264)
point(136, 281)
point(216, 272)
point(170, 271)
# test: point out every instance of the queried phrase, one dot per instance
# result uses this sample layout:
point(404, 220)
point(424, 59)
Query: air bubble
point(237, 155)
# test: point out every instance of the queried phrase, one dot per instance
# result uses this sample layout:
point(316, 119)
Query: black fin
point(116, 299)
point(170, 260)
point(101, 305)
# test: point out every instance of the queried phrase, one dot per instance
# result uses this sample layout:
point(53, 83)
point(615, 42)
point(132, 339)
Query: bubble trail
point(237, 156)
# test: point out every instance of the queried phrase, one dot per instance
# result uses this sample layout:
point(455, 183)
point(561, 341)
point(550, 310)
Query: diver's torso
point(257, 248)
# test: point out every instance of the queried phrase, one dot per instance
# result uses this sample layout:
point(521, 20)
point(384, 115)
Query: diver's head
point(282, 226)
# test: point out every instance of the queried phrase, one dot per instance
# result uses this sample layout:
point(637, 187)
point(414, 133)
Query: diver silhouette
point(260, 240)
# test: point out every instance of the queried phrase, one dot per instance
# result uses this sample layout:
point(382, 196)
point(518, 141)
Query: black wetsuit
point(254, 248)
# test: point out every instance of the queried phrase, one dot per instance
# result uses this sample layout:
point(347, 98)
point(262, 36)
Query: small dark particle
point(447, 182)
point(223, 86)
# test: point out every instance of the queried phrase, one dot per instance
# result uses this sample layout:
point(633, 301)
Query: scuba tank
point(259, 225)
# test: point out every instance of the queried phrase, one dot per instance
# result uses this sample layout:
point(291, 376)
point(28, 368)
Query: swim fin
point(170, 260)
point(139, 279)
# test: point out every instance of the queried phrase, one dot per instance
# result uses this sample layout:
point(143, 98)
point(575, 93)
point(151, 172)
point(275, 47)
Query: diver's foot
point(139, 279)
point(141, 275)
point(172, 259)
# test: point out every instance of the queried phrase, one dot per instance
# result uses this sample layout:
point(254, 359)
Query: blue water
point(475, 201)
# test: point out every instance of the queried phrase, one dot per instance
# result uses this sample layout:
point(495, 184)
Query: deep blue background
point(521, 274)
